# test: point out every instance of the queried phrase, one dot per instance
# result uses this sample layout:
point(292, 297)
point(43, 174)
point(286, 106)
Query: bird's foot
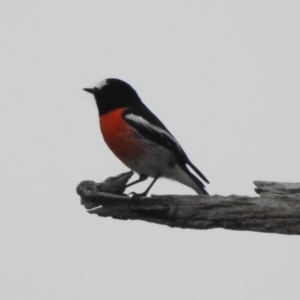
point(135, 198)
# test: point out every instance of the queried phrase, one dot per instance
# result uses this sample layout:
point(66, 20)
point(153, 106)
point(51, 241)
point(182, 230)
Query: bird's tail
point(182, 174)
point(197, 171)
point(198, 186)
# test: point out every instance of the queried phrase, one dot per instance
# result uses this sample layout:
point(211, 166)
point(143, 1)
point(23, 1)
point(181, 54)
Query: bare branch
point(277, 209)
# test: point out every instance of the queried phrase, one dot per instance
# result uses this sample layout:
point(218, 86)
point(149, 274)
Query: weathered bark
point(276, 210)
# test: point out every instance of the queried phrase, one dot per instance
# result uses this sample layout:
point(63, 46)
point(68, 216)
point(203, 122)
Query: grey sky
point(224, 78)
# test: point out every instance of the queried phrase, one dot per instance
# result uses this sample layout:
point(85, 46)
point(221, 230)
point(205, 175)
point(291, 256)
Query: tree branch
point(277, 209)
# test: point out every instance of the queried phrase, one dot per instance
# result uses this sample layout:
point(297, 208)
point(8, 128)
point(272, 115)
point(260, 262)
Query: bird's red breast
point(119, 136)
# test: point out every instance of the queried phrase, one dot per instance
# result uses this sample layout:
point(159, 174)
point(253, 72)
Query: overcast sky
point(223, 76)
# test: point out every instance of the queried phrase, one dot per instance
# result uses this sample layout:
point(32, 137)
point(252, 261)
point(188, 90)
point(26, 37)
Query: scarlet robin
point(139, 139)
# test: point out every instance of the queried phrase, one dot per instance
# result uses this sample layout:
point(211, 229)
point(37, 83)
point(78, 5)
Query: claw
point(136, 198)
point(132, 193)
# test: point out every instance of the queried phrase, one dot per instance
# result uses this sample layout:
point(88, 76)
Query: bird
point(139, 139)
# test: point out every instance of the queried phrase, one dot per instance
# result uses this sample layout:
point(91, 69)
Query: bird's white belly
point(155, 159)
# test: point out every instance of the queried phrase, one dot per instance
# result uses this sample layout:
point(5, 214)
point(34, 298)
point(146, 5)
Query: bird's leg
point(142, 178)
point(136, 197)
point(148, 188)
point(151, 184)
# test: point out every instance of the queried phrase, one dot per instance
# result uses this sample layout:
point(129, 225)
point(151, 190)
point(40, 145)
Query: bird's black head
point(113, 93)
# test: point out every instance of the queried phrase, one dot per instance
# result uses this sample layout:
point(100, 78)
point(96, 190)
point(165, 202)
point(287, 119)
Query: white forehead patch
point(100, 84)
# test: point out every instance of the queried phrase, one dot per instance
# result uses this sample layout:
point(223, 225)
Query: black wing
point(149, 126)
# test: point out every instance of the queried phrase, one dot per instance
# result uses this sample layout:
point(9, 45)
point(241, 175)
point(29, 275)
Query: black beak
point(89, 90)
